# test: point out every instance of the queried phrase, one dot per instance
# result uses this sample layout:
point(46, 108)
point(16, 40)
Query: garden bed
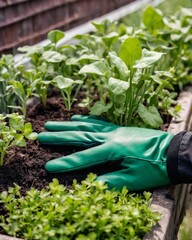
point(106, 82)
point(25, 166)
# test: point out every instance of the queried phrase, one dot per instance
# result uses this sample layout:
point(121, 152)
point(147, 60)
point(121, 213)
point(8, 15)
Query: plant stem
point(1, 163)
point(2, 158)
point(129, 100)
point(121, 120)
point(68, 102)
point(64, 98)
point(44, 97)
point(126, 105)
point(77, 91)
point(24, 108)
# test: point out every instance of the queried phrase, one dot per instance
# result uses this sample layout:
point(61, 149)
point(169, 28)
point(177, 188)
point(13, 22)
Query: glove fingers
point(92, 119)
point(71, 138)
point(80, 160)
point(118, 180)
point(73, 126)
point(133, 180)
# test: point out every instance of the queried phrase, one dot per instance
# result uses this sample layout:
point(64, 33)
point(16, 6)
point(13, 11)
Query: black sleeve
point(179, 158)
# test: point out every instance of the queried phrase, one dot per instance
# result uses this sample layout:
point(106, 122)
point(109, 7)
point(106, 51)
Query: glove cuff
point(179, 158)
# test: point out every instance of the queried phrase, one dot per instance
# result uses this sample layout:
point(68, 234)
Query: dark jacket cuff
point(179, 158)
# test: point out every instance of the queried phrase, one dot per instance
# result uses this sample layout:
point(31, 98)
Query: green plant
point(104, 66)
point(23, 88)
point(105, 38)
point(44, 66)
point(66, 87)
point(7, 72)
point(85, 211)
point(185, 230)
point(13, 132)
point(169, 8)
point(49, 65)
point(132, 78)
point(171, 35)
point(147, 84)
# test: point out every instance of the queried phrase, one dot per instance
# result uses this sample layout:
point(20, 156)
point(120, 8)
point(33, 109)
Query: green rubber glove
point(142, 152)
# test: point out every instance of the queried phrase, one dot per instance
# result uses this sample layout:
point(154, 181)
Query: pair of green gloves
point(141, 152)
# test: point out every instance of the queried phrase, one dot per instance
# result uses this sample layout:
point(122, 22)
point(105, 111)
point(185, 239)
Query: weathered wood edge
point(4, 237)
point(171, 202)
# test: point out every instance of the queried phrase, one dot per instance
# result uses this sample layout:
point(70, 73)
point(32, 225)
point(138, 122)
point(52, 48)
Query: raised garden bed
point(25, 166)
point(170, 202)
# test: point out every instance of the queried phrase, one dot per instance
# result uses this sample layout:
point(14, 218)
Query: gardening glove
point(140, 151)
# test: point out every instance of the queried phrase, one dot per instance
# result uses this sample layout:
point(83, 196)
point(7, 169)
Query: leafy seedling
point(66, 86)
point(13, 132)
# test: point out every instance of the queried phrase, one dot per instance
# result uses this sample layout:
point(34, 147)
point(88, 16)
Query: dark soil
point(26, 166)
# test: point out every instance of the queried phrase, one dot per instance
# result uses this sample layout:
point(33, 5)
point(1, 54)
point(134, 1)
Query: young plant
point(95, 77)
point(85, 211)
point(132, 77)
point(24, 88)
point(39, 54)
point(13, 132)
point(48, 62)
point(7, 72)
point(66, 86)
point(42, 86)
point(171, 35)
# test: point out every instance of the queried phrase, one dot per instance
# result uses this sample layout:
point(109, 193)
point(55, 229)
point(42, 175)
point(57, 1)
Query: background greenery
point(168, 7)
point(185, 232)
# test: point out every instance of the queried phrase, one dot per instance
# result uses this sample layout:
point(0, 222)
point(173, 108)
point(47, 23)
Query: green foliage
point(66, 85)
point(104, 27)
point(150, 116)
point(158, 59)
point(134, 79)
point(170, 36)
point(185, 230)
point(130, 51)
point(152, 19)
point(134, 71)
point(23, 88)
point(98, 68)
point(86, 211)
point(126, 67)
point(55, 35)
point(7, 72)
point(13, 132)
point(46, 62)
point(148, 59)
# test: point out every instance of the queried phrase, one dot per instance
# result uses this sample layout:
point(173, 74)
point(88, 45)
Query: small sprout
point(13, 132)
point(66, 87)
